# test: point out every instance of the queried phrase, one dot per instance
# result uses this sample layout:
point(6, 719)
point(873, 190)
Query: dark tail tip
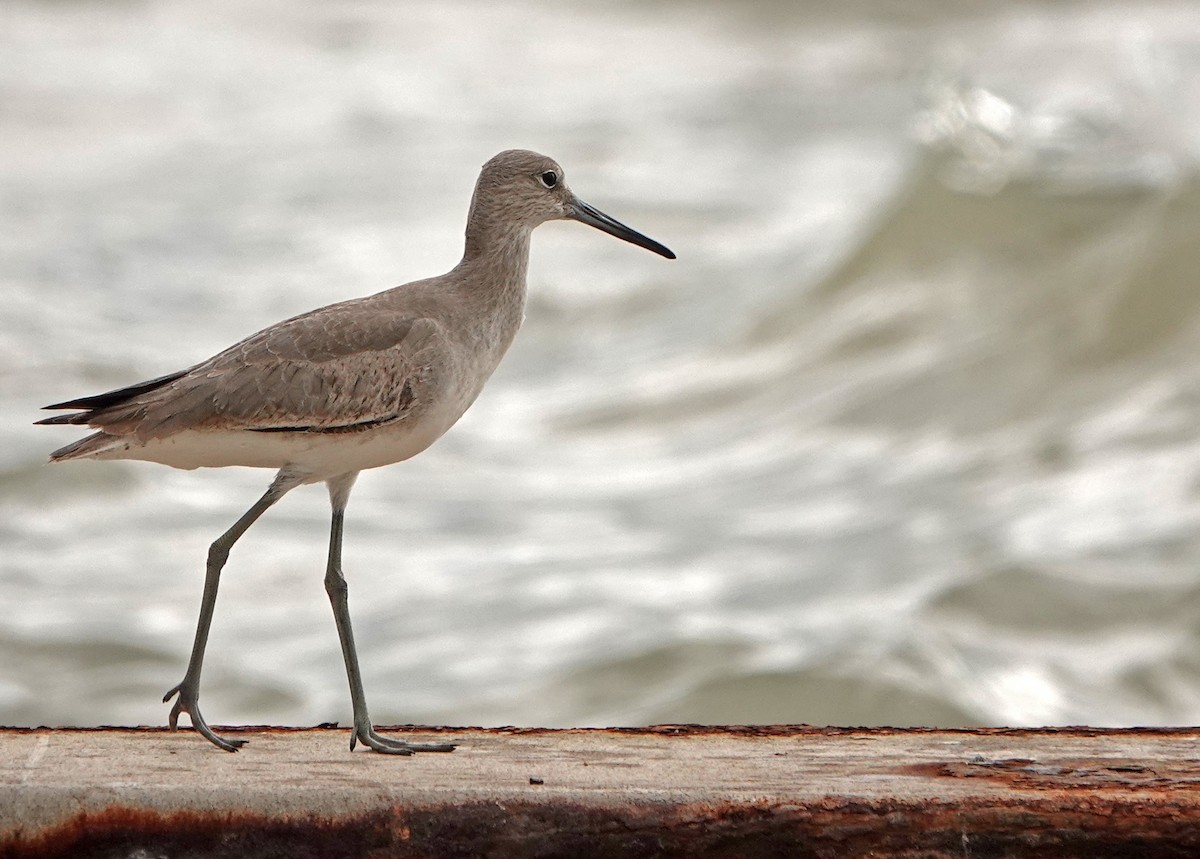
point(59, 420)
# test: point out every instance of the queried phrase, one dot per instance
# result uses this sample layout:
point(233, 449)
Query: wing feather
point(329, 370)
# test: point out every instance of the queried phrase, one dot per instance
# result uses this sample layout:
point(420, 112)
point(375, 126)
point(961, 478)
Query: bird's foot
point(188, 701)
point(385, 745)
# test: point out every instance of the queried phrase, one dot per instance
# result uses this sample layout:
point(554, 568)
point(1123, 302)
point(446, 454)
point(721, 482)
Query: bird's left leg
point(335, 586)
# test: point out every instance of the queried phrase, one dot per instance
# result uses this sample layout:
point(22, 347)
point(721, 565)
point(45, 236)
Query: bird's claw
point(187, 701)
point(386, 745)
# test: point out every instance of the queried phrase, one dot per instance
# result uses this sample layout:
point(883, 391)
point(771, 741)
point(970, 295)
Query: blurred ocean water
point(907, 435)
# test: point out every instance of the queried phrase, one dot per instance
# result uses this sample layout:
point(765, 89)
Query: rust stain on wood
point(1084, 774)
point(831, 829)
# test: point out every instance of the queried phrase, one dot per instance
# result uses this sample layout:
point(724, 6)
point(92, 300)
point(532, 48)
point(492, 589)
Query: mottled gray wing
point(335, 369)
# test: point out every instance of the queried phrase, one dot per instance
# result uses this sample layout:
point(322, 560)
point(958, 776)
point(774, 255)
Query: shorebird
point(355, 385)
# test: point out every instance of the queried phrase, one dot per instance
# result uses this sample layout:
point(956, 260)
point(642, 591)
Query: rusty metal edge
point(682, 730)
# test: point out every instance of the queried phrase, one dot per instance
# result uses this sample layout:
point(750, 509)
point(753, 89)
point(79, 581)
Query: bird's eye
point(549, 178)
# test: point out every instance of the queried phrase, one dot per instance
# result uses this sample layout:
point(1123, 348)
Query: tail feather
point(90, 445)
point(76, 418)
point(114, 397)
point(90, 408)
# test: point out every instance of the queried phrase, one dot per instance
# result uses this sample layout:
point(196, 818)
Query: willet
point(355, 385)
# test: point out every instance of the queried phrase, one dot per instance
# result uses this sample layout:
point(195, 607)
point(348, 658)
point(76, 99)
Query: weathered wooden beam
point(661, 791)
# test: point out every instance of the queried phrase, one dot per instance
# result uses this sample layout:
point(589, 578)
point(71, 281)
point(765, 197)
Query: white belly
point(321, 455)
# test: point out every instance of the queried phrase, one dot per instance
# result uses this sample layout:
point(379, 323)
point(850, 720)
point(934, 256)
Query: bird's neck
point(490, 280)
point(496, 257)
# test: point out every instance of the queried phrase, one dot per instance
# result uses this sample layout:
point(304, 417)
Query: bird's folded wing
point(326, 371)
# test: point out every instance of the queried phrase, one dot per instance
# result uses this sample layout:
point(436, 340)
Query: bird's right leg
point(188, 690)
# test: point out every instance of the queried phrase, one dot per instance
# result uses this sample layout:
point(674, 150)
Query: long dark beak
point(580, 211)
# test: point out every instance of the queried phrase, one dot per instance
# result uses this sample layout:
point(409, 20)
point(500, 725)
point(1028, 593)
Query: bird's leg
point(188, 690)
point(335, 586)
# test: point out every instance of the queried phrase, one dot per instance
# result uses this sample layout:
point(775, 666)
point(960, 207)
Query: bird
point(354, 385)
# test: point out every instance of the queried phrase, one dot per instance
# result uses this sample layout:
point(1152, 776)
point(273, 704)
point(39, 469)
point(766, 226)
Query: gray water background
point(907, 435)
